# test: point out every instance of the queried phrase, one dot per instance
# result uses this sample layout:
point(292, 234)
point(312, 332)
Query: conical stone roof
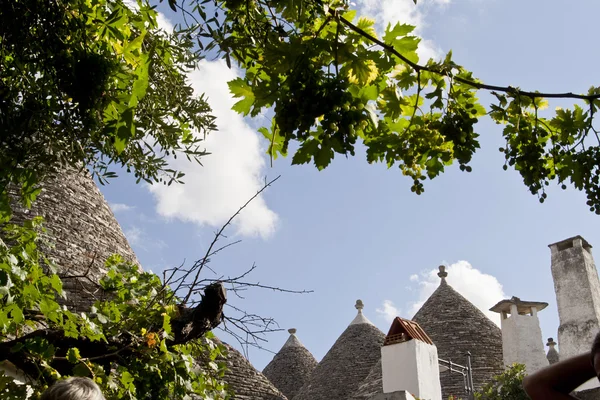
point(245, 381)
point(291, 367)
point(456, 327)
point(82, 228)
point(372, 385)
point(85, 233)
point(347, 364)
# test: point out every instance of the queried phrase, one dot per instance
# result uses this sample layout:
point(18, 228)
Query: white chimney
point(409, 361)
point(577, 289)
point(521, 333)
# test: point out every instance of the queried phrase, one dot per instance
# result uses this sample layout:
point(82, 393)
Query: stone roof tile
point(347, 364)
point(82, 228)
point(372, 385)
point(291, 367)
point(245, 381)
point(456, 327)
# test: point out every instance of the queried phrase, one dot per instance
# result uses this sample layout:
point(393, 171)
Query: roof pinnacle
point(442, 274)
point(359, 305)
point(292, 331)
point(360, 318)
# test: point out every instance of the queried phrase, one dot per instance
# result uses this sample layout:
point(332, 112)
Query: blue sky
point(355, 230)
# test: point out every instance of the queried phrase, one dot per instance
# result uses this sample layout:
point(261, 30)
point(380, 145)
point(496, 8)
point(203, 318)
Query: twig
point(217, 236)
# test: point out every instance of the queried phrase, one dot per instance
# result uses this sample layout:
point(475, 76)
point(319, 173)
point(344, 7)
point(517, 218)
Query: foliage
point(93, 83)
point(127, 343)
point(506, 386)
point(332, 81)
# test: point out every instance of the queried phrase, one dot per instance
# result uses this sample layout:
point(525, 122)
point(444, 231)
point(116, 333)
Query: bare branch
point(204, 260)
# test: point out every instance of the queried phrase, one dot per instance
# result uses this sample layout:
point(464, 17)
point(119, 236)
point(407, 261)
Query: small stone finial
point(442, 274)
point(292, 331)
point(359, 305)
point(552, 356)
point(360, 318)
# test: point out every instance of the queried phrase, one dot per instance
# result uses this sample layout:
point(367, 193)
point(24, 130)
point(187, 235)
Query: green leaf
point(239, 88)
point(49, 352)
point(140, 85)
point(166, 323)
point(276, 141)
point(56, 284)
point(399, 30)
point(368, 93)
point(391, 103)
point(407, 46)
point(127, 381)
point(362, 71)
point(16, 313)
point(349, 15)
point(81, 370)
point(3, 319)
point(47, 306)
point(367, 25)
point(73, 355)
point(323, 157)
point(306, 152)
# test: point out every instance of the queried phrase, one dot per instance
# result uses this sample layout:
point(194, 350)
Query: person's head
point(73, 389)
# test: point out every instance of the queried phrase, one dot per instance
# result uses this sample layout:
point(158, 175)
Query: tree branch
point(192, 323)
point(477, 85)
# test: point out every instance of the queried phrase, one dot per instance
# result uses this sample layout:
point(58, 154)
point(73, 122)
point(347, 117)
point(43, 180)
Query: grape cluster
point(457, 127)
point(525, 150)
point(311, 94)
point(588, 167)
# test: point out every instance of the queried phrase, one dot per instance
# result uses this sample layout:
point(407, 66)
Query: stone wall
point(522, 342)
point(577, 290)
point(412, 366)
point(83, 229)
point(591, 394)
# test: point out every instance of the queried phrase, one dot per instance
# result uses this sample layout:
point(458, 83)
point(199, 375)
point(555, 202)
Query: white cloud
point(133, 235)
point(414, 278)
point(230, 176)
point(406, 12)
point(162, 21)
point(388, 310)
point(481, 289)
point(138, 238)
point(119, 207)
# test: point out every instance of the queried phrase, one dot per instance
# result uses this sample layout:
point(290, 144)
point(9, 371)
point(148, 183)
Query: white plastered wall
point(412, 366)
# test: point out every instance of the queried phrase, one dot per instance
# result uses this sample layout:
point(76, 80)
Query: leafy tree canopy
point(332, 81)
point(96, 82)
point(132, 342)
point(93, 83)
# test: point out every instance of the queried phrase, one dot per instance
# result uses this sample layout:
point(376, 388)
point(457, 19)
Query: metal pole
point(470, 377)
